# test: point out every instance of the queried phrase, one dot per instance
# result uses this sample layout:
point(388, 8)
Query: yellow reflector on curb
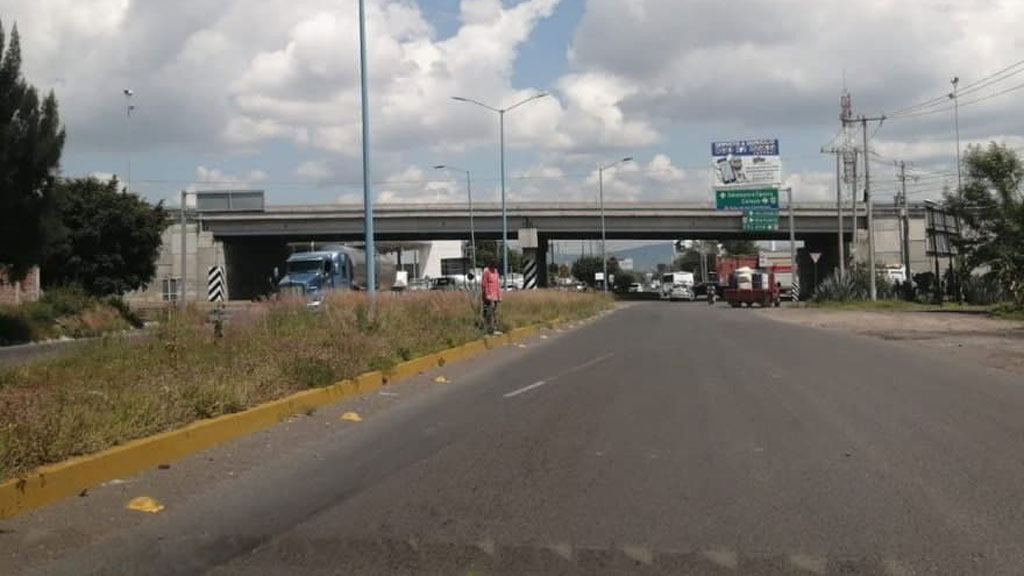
point(351, 417)
point(145, 504)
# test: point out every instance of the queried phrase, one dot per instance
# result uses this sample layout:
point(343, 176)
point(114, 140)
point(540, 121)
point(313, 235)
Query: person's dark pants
point(491, 315)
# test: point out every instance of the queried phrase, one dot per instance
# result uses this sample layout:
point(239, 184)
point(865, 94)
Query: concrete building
point(21, 291)
point(202, 251)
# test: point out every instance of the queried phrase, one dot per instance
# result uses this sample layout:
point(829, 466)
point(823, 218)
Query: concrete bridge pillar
point(535, 258)
point(827, 265)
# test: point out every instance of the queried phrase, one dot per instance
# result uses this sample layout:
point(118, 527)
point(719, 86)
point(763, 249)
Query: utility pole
point(849, 150)
point(956, 121)
point(794, 278)
point(905, 218)
point(839, 211)
point(867, 201)
point(129, 108)
point(184, 257)
point(839, 206)
point(853, 198)
point(604, 238)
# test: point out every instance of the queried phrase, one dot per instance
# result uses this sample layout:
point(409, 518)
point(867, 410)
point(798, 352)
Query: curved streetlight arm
point(477, 102)
point(616, 163)
point(451, 168)
point(530, 99)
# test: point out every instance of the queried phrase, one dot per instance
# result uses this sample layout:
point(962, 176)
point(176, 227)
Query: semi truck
point(312, 274)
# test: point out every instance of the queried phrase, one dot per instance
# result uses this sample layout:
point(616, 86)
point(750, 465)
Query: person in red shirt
point(491, 290)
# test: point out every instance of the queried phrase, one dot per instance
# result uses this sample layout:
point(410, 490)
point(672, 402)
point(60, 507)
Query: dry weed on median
point(118, 389)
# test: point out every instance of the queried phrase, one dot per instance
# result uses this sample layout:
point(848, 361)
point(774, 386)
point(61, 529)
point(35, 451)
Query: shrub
point(839, 288)
point(16, 327)
point(982, 289)
point(853, 285)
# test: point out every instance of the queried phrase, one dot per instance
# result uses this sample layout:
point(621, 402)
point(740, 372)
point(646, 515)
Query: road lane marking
point(525, 389)
point(577, 368)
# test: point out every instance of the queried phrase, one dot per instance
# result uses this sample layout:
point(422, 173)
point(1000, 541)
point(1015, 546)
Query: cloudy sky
point(265, 93)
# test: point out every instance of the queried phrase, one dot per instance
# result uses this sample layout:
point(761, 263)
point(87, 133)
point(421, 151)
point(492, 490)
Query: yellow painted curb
point(54, 482)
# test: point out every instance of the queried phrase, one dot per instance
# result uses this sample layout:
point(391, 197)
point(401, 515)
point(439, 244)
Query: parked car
point(419, 284)
point(444, 283)
point(636, 287)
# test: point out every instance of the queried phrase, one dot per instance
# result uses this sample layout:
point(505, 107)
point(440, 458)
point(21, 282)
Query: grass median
point(994, 311)
point(117, 389)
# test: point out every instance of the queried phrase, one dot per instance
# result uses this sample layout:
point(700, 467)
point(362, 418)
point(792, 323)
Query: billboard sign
point(746, 163)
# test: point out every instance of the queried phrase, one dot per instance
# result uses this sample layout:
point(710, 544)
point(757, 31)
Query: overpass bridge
point(250, 243)
point(553, 221)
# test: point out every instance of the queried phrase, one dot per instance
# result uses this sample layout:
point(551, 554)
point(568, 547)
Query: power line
point(962, 104)
point(994, 78)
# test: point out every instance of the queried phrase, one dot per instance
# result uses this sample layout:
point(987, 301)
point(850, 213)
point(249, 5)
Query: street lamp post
point(371, 250)
point(129, 107)
point(600, 187)
point(501, 128)
point(469, 194)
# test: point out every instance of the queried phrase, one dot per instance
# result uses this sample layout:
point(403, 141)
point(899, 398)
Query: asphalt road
point(661, 439)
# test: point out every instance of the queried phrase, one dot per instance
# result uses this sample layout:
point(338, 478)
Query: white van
point(677, 286)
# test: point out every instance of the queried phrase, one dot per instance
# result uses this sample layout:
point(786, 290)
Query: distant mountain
point(645, 258)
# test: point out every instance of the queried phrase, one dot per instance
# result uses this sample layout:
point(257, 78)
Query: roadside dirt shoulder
point(990, 342)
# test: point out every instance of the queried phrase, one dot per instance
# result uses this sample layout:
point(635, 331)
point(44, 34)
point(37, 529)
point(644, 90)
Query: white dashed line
point(525, 389)
point(540, 383)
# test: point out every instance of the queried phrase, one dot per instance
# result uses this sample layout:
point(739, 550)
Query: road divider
point(54, 482)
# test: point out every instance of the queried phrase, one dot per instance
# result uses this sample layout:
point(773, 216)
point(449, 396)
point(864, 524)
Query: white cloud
point(316, 170)
point(414, 185)
point(939, 149)
point(782, 62)
point(216, 179)
point(811, 187)
point(220, 77)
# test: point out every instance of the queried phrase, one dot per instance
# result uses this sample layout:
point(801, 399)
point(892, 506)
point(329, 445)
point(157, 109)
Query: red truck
point(726, 265)
point(749, 286)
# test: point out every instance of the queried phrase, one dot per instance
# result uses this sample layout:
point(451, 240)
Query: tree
point(623, 279)
point(585, 269)
point(552, 270)
point(490, 250)
point(31, 141)
point(739, 247)
point(112, 239)
point(991, 207)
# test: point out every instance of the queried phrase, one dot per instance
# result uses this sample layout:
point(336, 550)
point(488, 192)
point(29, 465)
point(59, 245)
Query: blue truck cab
point(310, 274)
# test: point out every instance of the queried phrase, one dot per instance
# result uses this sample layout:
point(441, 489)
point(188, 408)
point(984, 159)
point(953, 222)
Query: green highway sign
point(747, 199)
point(760, 220)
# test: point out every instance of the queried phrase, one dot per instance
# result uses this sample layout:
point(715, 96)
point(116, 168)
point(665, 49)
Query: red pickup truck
point(748, 287)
